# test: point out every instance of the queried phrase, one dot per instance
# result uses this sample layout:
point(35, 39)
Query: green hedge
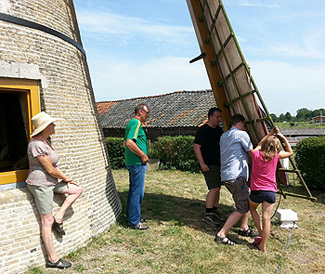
point(175, 152)
point(116, 152)
point(310, 158)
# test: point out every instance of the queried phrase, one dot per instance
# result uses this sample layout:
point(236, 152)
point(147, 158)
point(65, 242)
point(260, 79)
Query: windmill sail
point(233, 86)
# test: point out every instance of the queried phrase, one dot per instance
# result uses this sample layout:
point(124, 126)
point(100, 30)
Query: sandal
point(223, 240)
point(58, 227)
point(248, 232)
point(59, 264)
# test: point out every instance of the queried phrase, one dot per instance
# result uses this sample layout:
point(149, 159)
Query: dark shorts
point(260, 196)
point(212, 177)
point(240, 192)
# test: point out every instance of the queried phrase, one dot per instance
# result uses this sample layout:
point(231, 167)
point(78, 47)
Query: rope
point(286, 247)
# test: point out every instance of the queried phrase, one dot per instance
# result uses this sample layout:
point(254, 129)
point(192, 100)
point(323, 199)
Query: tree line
point(303, 115)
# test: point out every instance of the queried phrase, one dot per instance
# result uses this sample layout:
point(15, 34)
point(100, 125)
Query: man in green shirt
point(136, 158)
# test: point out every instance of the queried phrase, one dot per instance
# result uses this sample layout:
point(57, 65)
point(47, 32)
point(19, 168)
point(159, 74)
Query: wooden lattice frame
point(232, 84)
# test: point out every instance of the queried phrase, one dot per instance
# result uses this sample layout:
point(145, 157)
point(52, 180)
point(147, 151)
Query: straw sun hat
point(41, 121)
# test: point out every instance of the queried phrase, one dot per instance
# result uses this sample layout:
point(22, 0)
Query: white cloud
point(291, 33)
point(109, 23)
point(308, 45)
point(258, 3)
point(283, 86)
point(114, 79)
point(311, 46)
point(295, 50)
point(287, 87)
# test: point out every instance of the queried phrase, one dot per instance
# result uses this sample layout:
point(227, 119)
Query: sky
point(143, 47)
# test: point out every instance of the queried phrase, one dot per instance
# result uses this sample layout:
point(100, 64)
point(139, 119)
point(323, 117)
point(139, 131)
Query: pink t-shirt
point(263, 172)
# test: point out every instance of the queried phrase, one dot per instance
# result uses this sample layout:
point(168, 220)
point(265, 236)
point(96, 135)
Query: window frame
point(30, 88)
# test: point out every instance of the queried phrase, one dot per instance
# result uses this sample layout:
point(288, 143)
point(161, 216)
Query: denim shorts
point(212, 177)
point(260, 196)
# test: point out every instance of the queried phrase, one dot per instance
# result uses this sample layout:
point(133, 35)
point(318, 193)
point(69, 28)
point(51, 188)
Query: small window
point(19, 101)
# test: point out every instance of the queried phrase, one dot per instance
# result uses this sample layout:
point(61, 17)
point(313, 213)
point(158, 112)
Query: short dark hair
point(138, 107)
point(235, 119)
point(213, 110)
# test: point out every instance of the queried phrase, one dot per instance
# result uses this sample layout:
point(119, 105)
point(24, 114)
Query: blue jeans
point(136, 193)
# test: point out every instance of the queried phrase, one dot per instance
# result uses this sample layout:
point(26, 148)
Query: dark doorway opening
point(13, 136)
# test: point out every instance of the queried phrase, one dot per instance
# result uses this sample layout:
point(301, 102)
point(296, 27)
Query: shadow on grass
point(161, 208)
point(320, 195)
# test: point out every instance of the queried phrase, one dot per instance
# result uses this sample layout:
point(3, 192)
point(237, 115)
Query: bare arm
point(199, 157)
point(288, 152)
point(52, 171)
point(136, 150)
point(271, 133)
point(259, 145)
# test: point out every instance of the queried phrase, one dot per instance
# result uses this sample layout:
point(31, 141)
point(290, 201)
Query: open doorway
point(19, 102)
point(13, 131)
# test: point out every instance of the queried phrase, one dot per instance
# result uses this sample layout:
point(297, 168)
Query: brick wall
point(65, 92)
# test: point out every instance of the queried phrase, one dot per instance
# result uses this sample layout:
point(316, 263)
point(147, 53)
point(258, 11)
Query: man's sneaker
point(219, 218)
point(211, 219)
point(139, 226)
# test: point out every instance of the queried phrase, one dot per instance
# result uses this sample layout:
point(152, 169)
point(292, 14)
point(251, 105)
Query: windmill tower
point(43, 67)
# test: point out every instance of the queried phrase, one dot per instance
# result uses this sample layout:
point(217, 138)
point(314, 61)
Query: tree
point(274, 117)
point(317, 112)
point(281, 117)
point(304, 114)
point(288, 116)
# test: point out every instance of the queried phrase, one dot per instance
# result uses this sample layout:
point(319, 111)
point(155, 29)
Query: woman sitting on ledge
point(44, 179)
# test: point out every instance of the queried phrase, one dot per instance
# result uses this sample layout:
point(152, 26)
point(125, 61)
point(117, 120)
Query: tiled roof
point(103, 107)
point(176, 109)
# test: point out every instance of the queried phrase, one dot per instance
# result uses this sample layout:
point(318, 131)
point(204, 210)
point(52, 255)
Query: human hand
point(274, 130)
point(204, 167)
point(144, 158)
point(73, 183)
point(67, 179)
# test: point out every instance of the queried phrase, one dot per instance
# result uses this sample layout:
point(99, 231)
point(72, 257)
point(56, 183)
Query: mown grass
point(179, 242)
point(299, 125)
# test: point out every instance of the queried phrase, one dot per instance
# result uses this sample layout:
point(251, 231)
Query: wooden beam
point(212, 69)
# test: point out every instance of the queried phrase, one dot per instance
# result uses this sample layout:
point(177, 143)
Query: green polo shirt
point(134, 131)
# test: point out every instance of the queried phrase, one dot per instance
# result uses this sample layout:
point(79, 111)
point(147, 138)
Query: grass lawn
point(179, 242)
point(299, 125)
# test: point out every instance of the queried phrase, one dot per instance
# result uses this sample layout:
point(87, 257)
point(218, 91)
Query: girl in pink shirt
point(263, 186)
